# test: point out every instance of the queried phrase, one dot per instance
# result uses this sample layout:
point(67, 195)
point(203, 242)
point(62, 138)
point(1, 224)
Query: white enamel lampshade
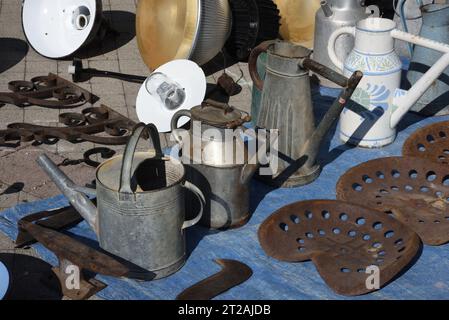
point(57, 29)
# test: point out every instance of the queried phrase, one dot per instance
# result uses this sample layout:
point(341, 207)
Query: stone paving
point(120, 54)
point(18, 61)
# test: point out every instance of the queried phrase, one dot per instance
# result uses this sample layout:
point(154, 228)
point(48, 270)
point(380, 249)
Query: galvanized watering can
point(225, 181)
point(435, 27)
point(141, 205)
point(332, 15)
point(287, 106)
point(381, 103)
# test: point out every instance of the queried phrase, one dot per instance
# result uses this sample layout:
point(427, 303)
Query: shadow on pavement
point(12, 52)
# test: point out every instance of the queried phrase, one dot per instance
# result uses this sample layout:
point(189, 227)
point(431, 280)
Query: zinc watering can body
point(435, 27)
point(287, 106)
point(332, 15)
point(141, 205)
point(378, 104)
point(216, 159)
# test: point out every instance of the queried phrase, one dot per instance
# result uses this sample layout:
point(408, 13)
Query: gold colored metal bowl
point(166, 30)
point(181, 29)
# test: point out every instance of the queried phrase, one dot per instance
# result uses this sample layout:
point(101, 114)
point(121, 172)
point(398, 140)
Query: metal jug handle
point(373, 11)
point(252, 62)
point(199, 194)
point(174, 123)
point(128, 156)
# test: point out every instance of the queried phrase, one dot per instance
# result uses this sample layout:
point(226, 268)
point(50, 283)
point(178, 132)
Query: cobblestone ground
point(18, 61)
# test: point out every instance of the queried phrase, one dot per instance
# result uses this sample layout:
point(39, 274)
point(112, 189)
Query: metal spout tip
point(326, 9)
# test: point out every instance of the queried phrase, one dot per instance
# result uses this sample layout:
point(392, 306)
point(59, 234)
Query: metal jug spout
point(254, 164)
point(312, 146)
point(74, 193)
point(326, 9)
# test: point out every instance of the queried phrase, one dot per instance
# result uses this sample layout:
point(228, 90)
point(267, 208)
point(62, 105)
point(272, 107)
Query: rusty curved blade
point(57, 220)
point(232, 274)
point(76, 252)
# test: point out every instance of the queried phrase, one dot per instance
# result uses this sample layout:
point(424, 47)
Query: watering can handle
point(331, 46)
point(174, 122)
point(252, 62)
point(199, 194)
point(128, 156)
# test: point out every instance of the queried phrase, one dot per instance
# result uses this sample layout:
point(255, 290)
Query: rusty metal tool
point(431, 142)
point(414, 190)
point(86, 126)
point(344, 241)
point(74, 256)
point(56, 220)
point(49, 91)
point(233, 274)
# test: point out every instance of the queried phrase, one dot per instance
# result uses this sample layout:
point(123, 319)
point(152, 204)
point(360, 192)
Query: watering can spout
point(76, 197)
point(403, 101)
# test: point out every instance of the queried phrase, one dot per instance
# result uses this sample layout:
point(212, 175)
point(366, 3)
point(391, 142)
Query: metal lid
point(219, 115)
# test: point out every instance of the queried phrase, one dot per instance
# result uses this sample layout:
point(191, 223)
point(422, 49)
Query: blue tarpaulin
point(427, 278)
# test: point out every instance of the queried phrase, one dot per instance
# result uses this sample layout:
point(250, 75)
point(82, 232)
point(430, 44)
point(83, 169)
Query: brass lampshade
point(181, 29)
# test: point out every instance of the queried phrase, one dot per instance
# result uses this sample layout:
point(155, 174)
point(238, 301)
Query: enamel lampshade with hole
point(177, 85)
point(57, 29)
point(4, 280)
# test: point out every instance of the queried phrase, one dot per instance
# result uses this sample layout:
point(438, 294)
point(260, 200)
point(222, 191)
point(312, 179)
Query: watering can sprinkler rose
point(380, 102)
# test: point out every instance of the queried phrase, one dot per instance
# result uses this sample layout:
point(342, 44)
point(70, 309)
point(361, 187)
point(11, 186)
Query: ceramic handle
point(331, 46)
point(201, 198)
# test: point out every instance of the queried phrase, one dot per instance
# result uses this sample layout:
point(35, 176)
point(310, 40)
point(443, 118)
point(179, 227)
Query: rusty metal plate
point(343, 240)
point(414, 190)
point(431, 142)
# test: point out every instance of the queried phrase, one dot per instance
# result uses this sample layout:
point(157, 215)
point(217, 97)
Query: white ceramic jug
point(379, 103)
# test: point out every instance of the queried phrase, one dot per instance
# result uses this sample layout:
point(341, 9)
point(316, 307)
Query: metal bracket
point(49, 91)
point(80, 127)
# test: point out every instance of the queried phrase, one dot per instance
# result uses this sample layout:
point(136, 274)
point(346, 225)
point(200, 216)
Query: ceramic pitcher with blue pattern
point(378, 104)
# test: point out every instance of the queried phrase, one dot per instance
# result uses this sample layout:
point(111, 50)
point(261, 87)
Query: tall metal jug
point(332, 15)
point(435, 27)
point(287, 106)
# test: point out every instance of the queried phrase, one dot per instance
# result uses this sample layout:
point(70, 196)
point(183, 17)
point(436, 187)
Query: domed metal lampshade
point(181, 29)
point(57, 29)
